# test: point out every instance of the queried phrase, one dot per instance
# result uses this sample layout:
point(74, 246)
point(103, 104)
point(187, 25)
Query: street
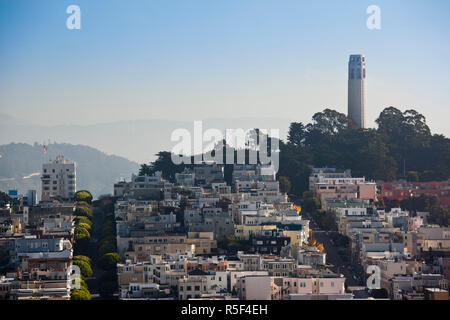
point(335, 254)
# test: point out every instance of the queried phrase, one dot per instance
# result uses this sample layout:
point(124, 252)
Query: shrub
point(106, 247)
point(109, 260)
point(82, 258)
point(80, 294)
point(82, 204)
point(81, 231)
point(86, 226)
point(83, 284)
point(84, 212)
point(85, 268)
point(83, 195)
point(82, 219)
point(82, 238)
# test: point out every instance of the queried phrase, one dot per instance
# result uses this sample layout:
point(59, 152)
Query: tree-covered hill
point(20, 165)
point(402, 147)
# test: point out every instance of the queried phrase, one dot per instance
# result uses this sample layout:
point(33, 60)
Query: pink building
point(345, 188)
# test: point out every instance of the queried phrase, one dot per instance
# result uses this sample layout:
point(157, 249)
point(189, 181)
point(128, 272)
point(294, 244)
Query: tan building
point(244, 232)
point(255, 288)
point(279, 267)
point(141, 248)
point(436, 294)
point(312, 285)
point(203, 241)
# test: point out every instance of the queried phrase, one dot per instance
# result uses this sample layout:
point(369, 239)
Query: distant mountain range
point(136, 140)
point(21, 164)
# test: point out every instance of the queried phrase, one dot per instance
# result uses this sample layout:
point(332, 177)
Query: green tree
point(82, 231)
point(285, 184)
point(84, 212)
point(84, 225)
point(85, 268)
point(106, 246)
point(82, 258)
point(109, 260)
point(297, 134)
point(80, 294)
point(308, 194)
point(311, 205)
point(82, 219)
point(83, 195)
point(164, 164)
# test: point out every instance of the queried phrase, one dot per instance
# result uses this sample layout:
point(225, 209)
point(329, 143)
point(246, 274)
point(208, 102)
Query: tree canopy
point(401, 147)
point(83, 195)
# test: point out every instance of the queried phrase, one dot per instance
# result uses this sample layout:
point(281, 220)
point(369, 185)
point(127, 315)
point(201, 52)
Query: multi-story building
point(270, 242)
point(307, 286)
point(399, 190)
point(139, 249)
point(318, 174)
point(58, 179)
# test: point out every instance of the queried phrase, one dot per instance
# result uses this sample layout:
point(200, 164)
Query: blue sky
point(188, 60)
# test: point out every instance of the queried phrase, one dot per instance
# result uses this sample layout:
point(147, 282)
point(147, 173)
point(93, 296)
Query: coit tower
point(357, 89)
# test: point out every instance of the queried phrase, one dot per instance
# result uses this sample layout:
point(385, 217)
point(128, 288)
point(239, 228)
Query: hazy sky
point(187, 60)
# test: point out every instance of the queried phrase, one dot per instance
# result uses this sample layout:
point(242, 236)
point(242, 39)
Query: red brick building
point(399, 190)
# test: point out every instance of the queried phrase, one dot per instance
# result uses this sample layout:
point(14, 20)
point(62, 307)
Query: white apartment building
point(325, 285)
point(58, 179)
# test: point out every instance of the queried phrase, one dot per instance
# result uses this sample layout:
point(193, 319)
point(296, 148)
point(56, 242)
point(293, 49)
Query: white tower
point(357, 89)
